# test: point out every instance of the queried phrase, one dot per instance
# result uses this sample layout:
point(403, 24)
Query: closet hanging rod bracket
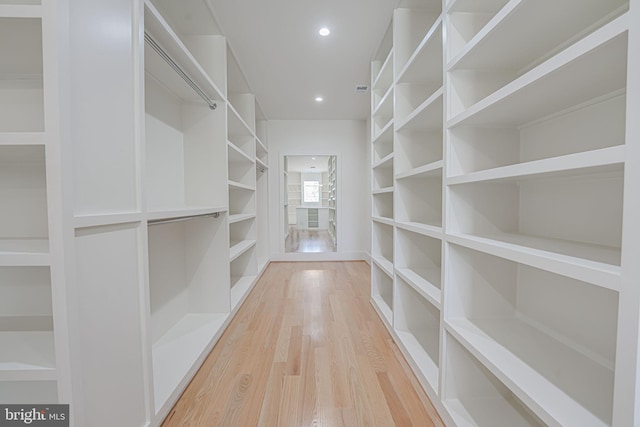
point(175, 67)
point(183, 218)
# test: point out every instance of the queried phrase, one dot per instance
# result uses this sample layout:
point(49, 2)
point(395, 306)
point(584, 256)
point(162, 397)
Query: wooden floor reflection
point(309, 241)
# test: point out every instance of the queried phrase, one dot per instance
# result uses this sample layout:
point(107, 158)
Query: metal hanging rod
point(164, 55)
point(183, 218)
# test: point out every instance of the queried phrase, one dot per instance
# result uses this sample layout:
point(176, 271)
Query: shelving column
point(34, 351)
point(382, 228)
point(241, 146)
point(418, 198)
point(536, 119)
point(184, 193)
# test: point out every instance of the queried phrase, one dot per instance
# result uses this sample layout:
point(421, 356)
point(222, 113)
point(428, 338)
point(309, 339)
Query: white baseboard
point(367, 258)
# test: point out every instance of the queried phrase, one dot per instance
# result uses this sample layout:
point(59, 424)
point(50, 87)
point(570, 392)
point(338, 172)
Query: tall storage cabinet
point(505, 206)
point(121, 235)
point(34, 351)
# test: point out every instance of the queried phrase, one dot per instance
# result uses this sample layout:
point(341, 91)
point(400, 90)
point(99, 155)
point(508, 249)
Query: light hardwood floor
point(306, 349)
point(309, 241)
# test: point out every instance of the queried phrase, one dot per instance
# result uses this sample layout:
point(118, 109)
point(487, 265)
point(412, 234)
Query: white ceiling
point(287, 64)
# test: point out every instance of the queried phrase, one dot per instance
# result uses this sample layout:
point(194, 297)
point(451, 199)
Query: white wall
point(345, 139)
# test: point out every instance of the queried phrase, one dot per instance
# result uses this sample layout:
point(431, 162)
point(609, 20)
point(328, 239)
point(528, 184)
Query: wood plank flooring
point(309, 241)
point(306, 349)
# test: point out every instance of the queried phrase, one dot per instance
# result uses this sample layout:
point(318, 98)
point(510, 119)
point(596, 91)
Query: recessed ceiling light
point(313, 158)
point(324, 31)
point(319, 99)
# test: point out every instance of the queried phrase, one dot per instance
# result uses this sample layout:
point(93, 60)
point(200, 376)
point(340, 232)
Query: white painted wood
point(517, 167)
point(417, 323)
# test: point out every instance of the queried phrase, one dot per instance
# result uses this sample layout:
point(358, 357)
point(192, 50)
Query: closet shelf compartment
point(549, 402)
point(424, 287)
point(475, 397)
point(261, 164)
point(385, 162)
point(427, 116)
point(382, 292)
point(417, 324)
point(236, 155)
point(238, 248)
point(499, 45)
point(603, 160)
point(552, 255)
point(384, 264)
point(418, 259)
point(382, 80)
point(176, 352)
point(243, 128)
point(421, 66)
point(27, 356)
point(164, 35)
point(593, 67)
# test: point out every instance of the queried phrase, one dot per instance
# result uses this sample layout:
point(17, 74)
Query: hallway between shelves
point(306, 349)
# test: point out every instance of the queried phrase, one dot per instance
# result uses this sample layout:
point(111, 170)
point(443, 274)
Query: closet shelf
point(240, 217)
point(420, 228)
point(499, 44)
point(421, 285)
point(24, 252)
point(385, 162)
point(590, 263)
point(431, 170)
point(381, 306)
point(593, 67)
point(609, 159)
point(20, 11)
point(384, 79)
point(386, 190)
point(236, 155)
point(384, 108)
point(549, 401)
point(239, 186)
point(97, 220)
point(427, 116)
point(385, 134)
point(421, 67)
point(176, 352)
point(164, 35)
point(261, 147)
point(261, 164)
point(22, 138)
point(240, 288)
point(238, 248)
point(243, 123)
point(384, 264)
point(27, 356)
point(420, 357)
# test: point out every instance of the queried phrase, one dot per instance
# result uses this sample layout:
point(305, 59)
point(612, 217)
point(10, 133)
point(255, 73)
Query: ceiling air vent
point(362, 88)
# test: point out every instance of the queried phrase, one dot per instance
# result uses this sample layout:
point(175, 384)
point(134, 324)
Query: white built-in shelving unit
point(34, 358)
point(503, 210)
point(133, 220)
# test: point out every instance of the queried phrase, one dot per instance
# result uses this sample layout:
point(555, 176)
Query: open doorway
point(310, 204)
